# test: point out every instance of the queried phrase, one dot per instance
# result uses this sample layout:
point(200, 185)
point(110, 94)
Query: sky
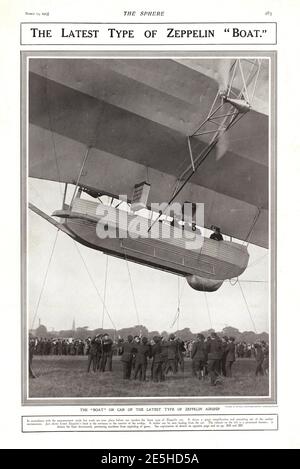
point(69, 292)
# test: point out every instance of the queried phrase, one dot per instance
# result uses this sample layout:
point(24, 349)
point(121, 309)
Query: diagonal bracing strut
point(228, 107)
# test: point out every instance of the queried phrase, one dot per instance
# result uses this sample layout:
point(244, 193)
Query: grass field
point(66, 376)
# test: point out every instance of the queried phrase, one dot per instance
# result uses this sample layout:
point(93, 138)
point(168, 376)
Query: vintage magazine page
point(149, 274)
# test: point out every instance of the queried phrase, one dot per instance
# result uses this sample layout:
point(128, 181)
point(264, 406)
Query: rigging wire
point(175, 318)
point(208, 310)
point(44, 280)
point(85, 157)
point(247, 240)
point(247, 306)
point(258, 260)
point(179, 298)
point(254, 281)
point(104, 296)
point(94, 284)
point(256, 78)
point(132, 289)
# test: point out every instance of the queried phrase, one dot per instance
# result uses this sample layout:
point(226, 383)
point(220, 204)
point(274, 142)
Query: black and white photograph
point(148, 204)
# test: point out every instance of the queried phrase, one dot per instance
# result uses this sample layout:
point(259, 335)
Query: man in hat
point(157, 359)
point(141, 359)
point(216, 235)
point(214, 350)
point(128, 350)
point(225, 342)
point(99, 352)
point(199, 356)
point(265, 347)
point(30, 355)
point(172, 352)
point(94, 353)
point(180, 355)
point(230, 356)
point(136, 340)
point(164, 343)
point(107, 353)
point(259, 357)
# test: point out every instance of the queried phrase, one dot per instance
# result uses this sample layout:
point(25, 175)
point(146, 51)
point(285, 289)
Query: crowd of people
point(58, 346)
point(212, 357)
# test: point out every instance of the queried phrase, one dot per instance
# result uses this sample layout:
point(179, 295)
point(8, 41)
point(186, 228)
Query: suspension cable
point(179, 298)
point(44, 280)
point(208, 310)
point(104, 296)
point(247, 240)
point(80, 173)
point(175, 318)
point(258, 260)
point(247, 306)
point(94, 284)
point(132, 290)
point(254, 281)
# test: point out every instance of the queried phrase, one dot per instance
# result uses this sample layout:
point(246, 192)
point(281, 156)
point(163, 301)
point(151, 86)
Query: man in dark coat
point(107, 353)
point(172, 351)
point(265, 347)
point(259, 357)
point(164, 344)
point(157, 359)
point(199, 356)
point(30, 356)
point(141, 359)
point(225, 342)
point(128, 350)
point(93, 353)
point(230, 356)
point(180, 355)
point(216, 235)
point(136, 341)
point(214, 350)
point(99, 353)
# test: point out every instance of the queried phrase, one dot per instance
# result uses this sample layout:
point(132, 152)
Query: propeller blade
point(223, 142)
